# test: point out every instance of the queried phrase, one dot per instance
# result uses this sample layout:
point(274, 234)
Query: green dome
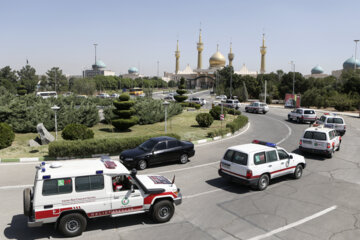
point(100, 64)
point(133, 70)
point(317, 70)
point(349, 64)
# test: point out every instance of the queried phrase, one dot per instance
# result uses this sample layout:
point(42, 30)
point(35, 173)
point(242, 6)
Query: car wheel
point(184, 158)
point(298, 120)
point(263, 182)
point(289, 118)
point(331, 153)
point(162, 211)
point(298, 172)
point(142, 164)
point(27, 201)
point(72, 225)
point(338, 148)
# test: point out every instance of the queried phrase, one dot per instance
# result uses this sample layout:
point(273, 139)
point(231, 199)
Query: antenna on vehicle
point(173, 181)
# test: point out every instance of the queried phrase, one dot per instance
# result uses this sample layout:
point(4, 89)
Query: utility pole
point(293, 65)
point(356, 41)
point(95, 44)
point(231, 82)
point(265, 91)
point(157, 69)
point(55, 81)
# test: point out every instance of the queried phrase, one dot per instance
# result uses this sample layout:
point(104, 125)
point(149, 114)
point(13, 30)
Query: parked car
point(115, 95)
point(231, 103)
point(169, 98)
point(257, 163)
point(257, 107)
point(321, 140)
point(301, 115)
point(157, 150)
point(203, 101)
point(48, 94)
point(103, 95)
point(221, 97)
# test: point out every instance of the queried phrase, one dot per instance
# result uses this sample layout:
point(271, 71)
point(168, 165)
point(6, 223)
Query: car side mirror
point(291, 157)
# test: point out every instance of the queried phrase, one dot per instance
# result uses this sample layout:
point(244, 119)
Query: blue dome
point(349, 64)
point(100, 64)
point(317, 70)
point(133, 70)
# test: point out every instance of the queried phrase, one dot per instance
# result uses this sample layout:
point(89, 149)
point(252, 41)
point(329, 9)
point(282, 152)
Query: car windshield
point(148, 145)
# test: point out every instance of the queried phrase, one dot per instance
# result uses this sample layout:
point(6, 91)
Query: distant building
point(350, 63)
point(244, 71)
point(98, 69)
point(133, 73)
point(317, 72)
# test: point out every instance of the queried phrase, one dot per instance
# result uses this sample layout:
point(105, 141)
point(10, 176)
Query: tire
point(27, 201)
point(184, 158)
point(289, 118)
point(72, 224)
point(330, 154)
point(142, 164)
point(264, 112)
point(338, 149)
point(263, 182)
point(298, 172)
point(298, 120)
point(163, 211)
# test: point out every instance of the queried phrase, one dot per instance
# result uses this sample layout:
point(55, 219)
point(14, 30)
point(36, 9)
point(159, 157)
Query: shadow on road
point(310, 156)
point(18, 228)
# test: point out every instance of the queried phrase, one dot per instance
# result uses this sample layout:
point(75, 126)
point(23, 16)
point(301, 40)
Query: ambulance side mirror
point(291, 157)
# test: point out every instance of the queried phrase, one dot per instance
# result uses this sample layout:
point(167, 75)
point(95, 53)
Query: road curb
point(323, 111)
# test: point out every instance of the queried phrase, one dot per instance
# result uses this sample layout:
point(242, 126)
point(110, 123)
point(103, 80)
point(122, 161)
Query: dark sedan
point(157, 150)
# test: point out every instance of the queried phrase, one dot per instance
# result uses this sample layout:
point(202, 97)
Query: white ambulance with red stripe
point(70, 193)
point(255, 164)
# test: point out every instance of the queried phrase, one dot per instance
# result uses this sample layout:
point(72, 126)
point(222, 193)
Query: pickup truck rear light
point(300, 143)
point(328, 145)
point(344, 127)
point(248, 174)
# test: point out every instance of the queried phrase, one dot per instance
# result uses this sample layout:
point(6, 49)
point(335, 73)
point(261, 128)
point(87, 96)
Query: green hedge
point(76, 131)
point(238, 123)
point(218, 132)
point(6, 135)
point(180, 98)
point(86, 148)
point(123, 105)
point(191, 104)
point(216, 111)
point(123, 124)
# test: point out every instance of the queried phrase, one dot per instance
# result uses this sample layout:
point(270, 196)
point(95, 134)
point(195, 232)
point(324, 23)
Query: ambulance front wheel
point(72, 224)
point(163, 211)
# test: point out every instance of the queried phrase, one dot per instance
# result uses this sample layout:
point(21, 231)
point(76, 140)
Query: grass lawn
point(183, 124)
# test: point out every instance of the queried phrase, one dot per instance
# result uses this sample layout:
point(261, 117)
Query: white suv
point(256, 163)
point(321, 140)
point(72, 192)
point(301, 115)
point(333, 121)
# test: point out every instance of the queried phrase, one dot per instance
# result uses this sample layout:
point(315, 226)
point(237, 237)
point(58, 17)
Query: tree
point(8, 79)
point(56, 81)
point(28, 78)
point(124, 113)
point(85, 86)
point(181, 91)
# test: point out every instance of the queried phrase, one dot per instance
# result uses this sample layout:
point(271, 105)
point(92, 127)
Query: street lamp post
point(55, 108)
point(166, 104)
point(293, 66)
point(356, 41)
point(231, 83)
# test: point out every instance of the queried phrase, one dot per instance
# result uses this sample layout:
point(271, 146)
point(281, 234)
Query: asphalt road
point(323, 204)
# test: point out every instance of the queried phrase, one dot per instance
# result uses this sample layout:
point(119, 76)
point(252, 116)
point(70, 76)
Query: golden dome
point(217, 60)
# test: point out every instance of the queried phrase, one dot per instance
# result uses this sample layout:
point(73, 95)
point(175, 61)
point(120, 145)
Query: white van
point(48, 94)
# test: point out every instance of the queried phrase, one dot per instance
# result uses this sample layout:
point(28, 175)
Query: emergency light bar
point(264, 143)
point(46, 177)
point(99, 172)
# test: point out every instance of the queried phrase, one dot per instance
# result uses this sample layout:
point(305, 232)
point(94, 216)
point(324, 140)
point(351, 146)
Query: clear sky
point(140, 33)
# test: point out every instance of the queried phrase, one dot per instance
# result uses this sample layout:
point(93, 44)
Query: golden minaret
point(200, 48)
point(231, 55)
point(263, 52)
point(177, 56)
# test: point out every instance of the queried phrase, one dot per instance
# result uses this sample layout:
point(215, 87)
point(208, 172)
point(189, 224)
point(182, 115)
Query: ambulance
point(71, 193)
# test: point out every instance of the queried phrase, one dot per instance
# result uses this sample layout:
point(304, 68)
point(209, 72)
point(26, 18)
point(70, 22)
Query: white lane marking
point(289, 130)
point(203, 193)
point(294, 224)
point(225, 139)
point(15, 187)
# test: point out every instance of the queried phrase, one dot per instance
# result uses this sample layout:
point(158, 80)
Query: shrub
point(204, 119)
point(238, 123)
point(124, 119)
point(180, 98)
point(6, 135)
point(75, 131)
point(181, 91)
point(190, 104)
point(216, 111)
point(89, 147)
point(233, 111)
